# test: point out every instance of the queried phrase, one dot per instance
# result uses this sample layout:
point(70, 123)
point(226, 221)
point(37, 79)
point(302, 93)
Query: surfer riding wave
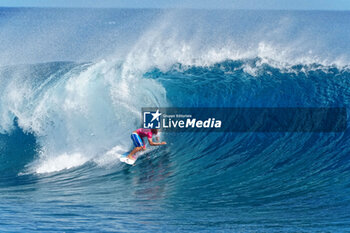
point(138, 136)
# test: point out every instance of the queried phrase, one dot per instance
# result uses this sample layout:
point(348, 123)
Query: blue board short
point(136, 140)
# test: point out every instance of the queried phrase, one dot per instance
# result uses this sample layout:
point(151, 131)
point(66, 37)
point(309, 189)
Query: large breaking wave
point(73, 118)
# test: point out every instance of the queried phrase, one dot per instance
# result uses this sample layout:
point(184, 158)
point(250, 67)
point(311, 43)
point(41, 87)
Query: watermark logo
point(178, 119)
point(285, 119)
point(151, 120)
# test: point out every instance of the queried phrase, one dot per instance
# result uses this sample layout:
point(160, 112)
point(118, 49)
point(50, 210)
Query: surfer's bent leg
point(136, 149)
point(138, 143)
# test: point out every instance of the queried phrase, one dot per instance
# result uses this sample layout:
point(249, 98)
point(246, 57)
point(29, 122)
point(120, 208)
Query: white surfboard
point(123, 158)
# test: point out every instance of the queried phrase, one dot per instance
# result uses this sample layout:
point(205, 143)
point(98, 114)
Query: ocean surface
point(72, 85)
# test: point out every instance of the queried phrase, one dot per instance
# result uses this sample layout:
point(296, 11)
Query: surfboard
point(123, 158)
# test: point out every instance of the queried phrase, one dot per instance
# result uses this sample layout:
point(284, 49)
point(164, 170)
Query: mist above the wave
point(147, 37)
point(278, 38)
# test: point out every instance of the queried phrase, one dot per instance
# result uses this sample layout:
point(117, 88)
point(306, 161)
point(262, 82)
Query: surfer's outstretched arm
point(155, 143)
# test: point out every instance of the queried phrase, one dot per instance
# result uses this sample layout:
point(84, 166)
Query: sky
point(207, 4)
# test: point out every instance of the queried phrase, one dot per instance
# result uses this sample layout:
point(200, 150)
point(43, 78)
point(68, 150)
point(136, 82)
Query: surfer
point(138, 139)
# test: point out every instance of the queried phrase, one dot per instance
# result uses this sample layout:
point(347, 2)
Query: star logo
point(151, 119)
point(156, 115)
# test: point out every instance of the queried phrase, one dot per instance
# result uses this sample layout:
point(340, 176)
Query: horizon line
point(169, 8)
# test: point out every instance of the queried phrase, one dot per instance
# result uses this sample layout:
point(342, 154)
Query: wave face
point(63, 124)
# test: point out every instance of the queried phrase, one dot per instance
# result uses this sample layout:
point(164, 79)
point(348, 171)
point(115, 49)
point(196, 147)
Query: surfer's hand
point(163, 143)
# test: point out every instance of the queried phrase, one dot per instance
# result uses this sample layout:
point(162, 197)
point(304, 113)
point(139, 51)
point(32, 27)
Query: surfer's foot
point(131, 157)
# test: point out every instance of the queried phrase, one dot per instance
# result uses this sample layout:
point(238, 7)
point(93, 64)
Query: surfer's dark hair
point(155, 131)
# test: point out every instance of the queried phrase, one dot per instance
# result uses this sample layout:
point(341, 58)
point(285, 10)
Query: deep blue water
point(73, 83)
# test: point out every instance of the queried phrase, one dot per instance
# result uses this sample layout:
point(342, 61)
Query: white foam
point(82, 115)
point(111, 157)
point(60, 162)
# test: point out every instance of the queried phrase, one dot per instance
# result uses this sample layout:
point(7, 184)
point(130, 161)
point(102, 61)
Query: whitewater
point(73, 82)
